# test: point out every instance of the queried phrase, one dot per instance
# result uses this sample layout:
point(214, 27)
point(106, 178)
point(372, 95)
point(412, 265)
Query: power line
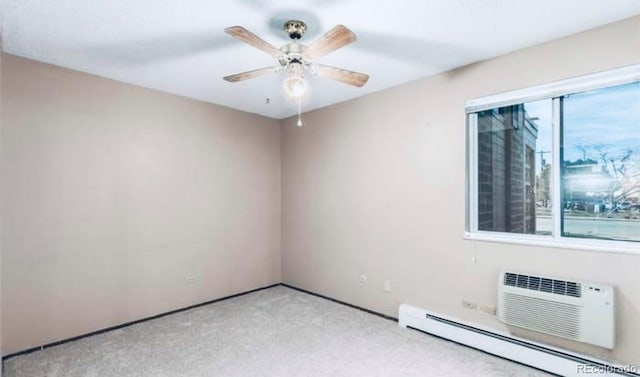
point(542, 153)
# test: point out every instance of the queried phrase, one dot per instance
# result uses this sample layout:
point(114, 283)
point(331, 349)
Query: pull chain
point(299, 123)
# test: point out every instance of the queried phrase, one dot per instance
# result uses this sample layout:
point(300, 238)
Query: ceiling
point(180, 47)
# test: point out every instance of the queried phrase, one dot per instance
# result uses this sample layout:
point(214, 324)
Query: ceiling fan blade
point(248, 37)
point(334, 39)
point(252, 74)
point(348, 77)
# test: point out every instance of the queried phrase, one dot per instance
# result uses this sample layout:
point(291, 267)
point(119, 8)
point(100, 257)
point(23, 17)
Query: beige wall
point(376, 186)
point(114, 194)
point(1, 207)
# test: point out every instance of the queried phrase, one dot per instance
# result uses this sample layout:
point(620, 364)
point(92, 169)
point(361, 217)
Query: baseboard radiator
point(547, 358)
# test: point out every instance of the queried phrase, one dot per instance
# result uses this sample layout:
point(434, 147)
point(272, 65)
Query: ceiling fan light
point(295, 86)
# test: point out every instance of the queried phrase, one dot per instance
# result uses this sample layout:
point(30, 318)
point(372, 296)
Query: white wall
point(376, 186)
point(114, 194)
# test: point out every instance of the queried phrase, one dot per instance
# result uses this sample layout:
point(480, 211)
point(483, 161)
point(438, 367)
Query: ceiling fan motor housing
point(292, 52)
point(295, 29)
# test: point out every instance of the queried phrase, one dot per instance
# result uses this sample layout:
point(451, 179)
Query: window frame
point(554, 91)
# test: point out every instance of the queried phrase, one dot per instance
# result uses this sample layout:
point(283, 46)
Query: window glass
point(566, 166)
point(514, 168)
point(601, 163)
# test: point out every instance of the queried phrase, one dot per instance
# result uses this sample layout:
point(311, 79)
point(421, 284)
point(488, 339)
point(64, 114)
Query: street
point(596, 227)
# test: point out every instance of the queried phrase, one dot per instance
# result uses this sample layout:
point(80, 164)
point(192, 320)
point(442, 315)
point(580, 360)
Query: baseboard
point(549, 359)
point(107, 329)
point(546, 358)
point(341, 302)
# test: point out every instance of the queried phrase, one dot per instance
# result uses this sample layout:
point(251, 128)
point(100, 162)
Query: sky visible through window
point(605, 117)
point(542, 110)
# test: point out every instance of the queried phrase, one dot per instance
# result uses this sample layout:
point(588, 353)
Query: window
point(558, 163)
point(513, 188)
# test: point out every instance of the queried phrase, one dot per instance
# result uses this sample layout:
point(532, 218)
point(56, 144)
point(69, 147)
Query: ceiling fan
point(297, 58)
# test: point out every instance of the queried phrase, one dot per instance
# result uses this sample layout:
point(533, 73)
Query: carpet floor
point(273, 332)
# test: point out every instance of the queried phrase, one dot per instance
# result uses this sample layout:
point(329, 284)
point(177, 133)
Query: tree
point(623, 166)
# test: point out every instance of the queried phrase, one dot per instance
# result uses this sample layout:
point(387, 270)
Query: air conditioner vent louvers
point(578, 310)
point(546, 318)
point(536, 283)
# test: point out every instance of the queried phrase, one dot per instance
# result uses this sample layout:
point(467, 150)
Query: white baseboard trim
point(547, 358)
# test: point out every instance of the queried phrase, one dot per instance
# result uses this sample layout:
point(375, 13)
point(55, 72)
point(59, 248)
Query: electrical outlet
point(469, 305)
point(189, 279)
point(363, 278)
point(387, 286)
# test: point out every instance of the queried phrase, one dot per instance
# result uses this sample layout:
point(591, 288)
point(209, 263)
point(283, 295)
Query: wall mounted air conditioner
point(572, 309)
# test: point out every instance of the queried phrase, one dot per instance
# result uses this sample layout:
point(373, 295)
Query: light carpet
point(273, 332)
